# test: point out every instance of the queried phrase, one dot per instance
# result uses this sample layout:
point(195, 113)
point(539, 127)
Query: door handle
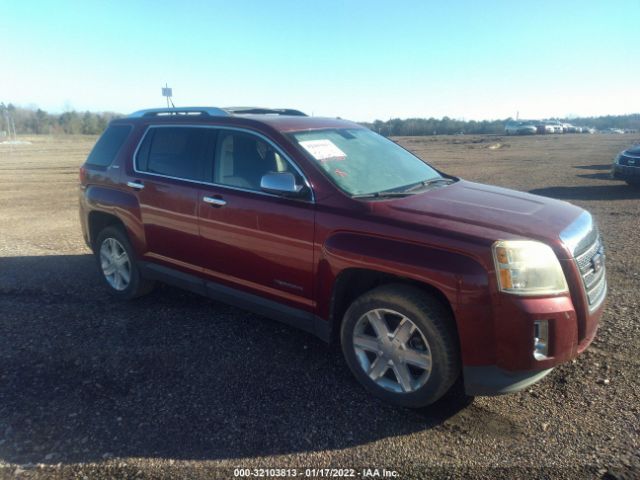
point(135, 185)
point(216, 202)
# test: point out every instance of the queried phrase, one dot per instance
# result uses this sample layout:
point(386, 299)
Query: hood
point(635, 150)
point(488, 212)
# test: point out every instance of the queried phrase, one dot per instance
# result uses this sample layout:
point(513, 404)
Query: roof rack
point(215, 111)
point(264, 111)
point(153, 112)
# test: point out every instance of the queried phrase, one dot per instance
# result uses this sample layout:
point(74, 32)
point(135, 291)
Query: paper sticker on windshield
point(323, 150)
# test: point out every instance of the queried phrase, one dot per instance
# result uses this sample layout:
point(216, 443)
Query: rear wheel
point(116, 261)
point(401, 345)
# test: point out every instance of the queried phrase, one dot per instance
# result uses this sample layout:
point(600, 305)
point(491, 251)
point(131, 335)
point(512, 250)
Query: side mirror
point(281, 183)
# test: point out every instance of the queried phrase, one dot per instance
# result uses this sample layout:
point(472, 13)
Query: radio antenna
point(168, 93)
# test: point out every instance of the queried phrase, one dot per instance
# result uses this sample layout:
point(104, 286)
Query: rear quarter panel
point(120, 204)
point(104, 190)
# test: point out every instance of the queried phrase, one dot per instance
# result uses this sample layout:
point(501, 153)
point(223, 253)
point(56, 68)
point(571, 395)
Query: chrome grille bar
point(591, 264)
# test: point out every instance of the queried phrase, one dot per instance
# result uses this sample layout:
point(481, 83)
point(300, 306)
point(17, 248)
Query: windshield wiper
point(412, 190)
point(426, 183)
point(382, 194)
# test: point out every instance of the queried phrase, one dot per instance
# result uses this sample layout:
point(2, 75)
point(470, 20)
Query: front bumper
point(83, 212)
point(491, 380)
point(625, 172)
point(514, 366)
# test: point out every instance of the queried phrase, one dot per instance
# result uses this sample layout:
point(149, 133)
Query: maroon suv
point(325, 225)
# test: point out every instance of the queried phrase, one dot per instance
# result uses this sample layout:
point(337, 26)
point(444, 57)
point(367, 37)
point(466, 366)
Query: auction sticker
point(323, 150)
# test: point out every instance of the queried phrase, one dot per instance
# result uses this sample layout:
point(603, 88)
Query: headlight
point(526, 267)
point(617, 159)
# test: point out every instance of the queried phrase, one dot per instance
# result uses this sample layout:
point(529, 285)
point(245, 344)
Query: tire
point(116, 261)
point(427, 350)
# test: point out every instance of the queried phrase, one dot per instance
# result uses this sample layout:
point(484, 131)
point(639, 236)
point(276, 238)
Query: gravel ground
point(177, 386)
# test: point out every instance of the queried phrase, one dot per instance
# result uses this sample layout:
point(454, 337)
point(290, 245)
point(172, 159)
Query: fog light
point(540, 339)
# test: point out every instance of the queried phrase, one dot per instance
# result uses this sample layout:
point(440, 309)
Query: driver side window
point(242, 159)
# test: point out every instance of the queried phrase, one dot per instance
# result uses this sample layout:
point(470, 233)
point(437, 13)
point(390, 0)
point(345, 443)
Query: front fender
point(461, 279)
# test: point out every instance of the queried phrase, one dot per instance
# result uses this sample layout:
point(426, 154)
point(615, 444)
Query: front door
point(256, 242)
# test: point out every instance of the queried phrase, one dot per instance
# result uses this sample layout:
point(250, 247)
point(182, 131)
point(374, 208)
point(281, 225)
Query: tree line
point(397, 127)
point(37, 121)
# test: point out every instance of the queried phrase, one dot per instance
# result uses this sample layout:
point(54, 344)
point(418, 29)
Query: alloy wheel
point(392, 350)
point(115, 263)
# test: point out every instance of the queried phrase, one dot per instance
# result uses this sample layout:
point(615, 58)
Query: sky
point(361, 60)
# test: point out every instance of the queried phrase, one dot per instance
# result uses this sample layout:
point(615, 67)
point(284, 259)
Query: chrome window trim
point(220, 185)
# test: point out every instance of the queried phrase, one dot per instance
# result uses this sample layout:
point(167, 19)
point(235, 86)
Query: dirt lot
point(175, 385)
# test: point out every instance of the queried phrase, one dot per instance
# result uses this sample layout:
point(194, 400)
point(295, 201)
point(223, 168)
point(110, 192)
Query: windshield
point(362, 162)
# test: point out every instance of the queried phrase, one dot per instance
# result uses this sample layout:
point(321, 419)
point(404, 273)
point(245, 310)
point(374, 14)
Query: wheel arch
point(98, 221)
point(108, 206)
point(351, 283)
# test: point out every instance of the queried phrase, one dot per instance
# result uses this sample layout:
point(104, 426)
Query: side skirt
point(283, 313)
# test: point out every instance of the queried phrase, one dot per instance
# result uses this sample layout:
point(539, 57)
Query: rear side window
point(108, 145)
point(179, 152)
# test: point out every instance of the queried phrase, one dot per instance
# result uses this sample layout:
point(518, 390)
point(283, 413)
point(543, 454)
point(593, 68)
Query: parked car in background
point(615, 131)
point(554, 126)
point(568, 128)
point(423, 278)
point(626, 166)
point(520, 127)
point(542, 129)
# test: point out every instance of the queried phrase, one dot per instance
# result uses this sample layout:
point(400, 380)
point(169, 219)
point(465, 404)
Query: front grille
point(629, 160)
point(591, 263)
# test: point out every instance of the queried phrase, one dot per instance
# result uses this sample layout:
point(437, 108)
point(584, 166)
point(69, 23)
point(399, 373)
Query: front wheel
point(116, 261)
point(401, 345)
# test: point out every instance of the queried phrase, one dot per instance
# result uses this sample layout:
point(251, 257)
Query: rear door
point(169, 166)
point(253, 241)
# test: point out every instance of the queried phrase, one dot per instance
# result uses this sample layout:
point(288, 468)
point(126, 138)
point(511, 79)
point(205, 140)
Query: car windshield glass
point(362, 162)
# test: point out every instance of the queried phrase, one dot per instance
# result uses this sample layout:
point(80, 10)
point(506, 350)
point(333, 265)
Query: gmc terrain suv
point(321, 223)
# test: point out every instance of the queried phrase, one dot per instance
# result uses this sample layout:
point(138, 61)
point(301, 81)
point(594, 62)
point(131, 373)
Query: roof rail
point(152, 112)
point(264, 111)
